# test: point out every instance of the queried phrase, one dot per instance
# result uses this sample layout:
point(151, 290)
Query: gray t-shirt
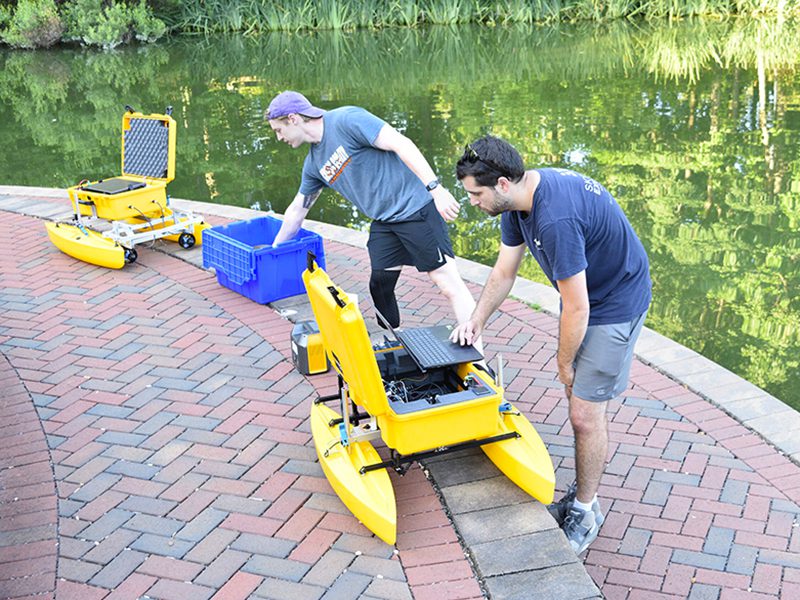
point(376, 181)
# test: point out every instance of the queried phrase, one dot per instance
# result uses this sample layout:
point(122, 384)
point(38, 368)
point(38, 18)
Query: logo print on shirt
point(589, 184)
point(537, 243)
point(334, 166)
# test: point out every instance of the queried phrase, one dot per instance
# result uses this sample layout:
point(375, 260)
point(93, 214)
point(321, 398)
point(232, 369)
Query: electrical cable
point(149, 223)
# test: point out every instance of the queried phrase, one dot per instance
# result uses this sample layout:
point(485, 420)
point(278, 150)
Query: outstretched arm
point(391, 140)
point(497, 288)
point(294, 216)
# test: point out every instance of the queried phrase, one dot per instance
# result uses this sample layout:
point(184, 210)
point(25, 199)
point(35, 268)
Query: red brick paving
point(115, 363)
point(28, 515)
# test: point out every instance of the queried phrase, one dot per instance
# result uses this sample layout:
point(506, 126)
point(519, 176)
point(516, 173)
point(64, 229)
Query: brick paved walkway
point(154, 428)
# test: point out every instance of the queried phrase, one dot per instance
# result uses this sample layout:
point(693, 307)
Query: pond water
point(694, 127)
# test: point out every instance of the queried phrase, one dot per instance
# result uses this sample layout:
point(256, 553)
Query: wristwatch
point(432, 185)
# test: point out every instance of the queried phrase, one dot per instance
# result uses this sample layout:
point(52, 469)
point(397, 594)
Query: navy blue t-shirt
point(577, 225)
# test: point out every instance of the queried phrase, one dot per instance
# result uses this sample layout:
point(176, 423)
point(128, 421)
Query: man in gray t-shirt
point(383, 173)
point(377, 182)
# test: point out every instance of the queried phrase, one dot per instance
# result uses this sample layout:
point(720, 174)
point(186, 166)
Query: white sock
point(584, 507)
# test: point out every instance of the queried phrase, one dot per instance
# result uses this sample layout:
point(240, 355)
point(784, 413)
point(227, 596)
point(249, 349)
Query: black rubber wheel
point(186, 240)
point(130, 256)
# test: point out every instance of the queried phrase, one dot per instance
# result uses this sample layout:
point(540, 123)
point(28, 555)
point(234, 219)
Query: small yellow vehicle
point(383, 395)
point(111, 216)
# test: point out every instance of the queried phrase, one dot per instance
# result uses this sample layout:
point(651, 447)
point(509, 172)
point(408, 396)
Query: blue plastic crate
point(245, 261)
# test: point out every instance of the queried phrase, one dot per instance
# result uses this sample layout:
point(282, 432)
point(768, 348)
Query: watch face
point(432, 185)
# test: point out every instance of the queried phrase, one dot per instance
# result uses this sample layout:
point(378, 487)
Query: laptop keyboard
point(427, 347)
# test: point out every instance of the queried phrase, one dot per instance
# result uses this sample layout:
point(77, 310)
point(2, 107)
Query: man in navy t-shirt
point(585, 245)
point(384, 174)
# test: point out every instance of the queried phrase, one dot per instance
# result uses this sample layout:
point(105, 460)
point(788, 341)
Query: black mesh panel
point(146, 148)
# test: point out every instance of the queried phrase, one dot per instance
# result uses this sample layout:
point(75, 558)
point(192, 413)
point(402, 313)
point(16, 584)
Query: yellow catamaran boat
point(111, 216)
point(384, 395)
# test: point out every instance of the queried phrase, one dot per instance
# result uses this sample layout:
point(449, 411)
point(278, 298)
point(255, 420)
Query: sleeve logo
point(589, 184)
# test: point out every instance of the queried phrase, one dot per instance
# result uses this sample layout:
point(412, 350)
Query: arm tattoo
point(309, 199)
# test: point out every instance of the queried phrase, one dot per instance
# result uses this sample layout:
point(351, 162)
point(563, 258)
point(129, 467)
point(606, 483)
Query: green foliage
point(250, 16)
point(146, 27)
point(597, 10)
point(333, 14)
point(365, 13)
point(406, 13)
point(109, 24)
point(508, 12)
point(34, 24)
point(447, 12)
point(166, 10)
point(5, 16)
point(278, 17)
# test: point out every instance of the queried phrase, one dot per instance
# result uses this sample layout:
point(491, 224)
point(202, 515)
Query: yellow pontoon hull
point(370, 496)
point(86, 245)
point(524, 460)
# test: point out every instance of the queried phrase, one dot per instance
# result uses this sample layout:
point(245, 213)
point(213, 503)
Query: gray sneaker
point(559, 510)
point(581, 528)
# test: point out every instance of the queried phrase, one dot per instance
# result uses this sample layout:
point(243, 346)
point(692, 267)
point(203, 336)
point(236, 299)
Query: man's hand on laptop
point(466, 333)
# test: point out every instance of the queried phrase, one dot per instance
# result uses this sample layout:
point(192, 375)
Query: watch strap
point(432, 185)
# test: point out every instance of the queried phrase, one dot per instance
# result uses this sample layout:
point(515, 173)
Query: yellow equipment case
point(384, 395)
point(148, 165)
point(134, 205)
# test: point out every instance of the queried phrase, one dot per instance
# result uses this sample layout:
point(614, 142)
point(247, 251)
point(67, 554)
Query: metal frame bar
point(127, 233)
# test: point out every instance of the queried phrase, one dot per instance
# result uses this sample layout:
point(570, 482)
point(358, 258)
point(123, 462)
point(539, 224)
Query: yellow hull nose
point(370, 496)
point(86, 245)
point(524, 460)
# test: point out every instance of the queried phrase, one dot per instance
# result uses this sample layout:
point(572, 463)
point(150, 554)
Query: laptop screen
point(430, 347)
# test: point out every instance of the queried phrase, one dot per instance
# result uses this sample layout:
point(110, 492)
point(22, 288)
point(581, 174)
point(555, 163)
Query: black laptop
point(430, 347)
point(114, 185)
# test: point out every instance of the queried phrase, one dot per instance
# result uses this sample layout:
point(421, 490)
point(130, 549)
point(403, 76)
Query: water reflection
point(694, 127)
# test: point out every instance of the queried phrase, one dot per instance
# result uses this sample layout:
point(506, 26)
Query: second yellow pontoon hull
point(86, 245)
point(524, 460)
point(370, 496)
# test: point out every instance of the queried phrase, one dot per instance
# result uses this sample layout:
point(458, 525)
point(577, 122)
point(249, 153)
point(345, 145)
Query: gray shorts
point(603, 362)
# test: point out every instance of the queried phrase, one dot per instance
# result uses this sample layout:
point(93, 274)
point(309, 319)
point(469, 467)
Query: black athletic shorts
point(421, 241)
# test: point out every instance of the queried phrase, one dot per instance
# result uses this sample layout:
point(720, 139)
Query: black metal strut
point(400, 462)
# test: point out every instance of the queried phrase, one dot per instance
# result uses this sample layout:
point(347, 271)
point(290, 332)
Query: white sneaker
point(559, 510)
point(581, 528)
